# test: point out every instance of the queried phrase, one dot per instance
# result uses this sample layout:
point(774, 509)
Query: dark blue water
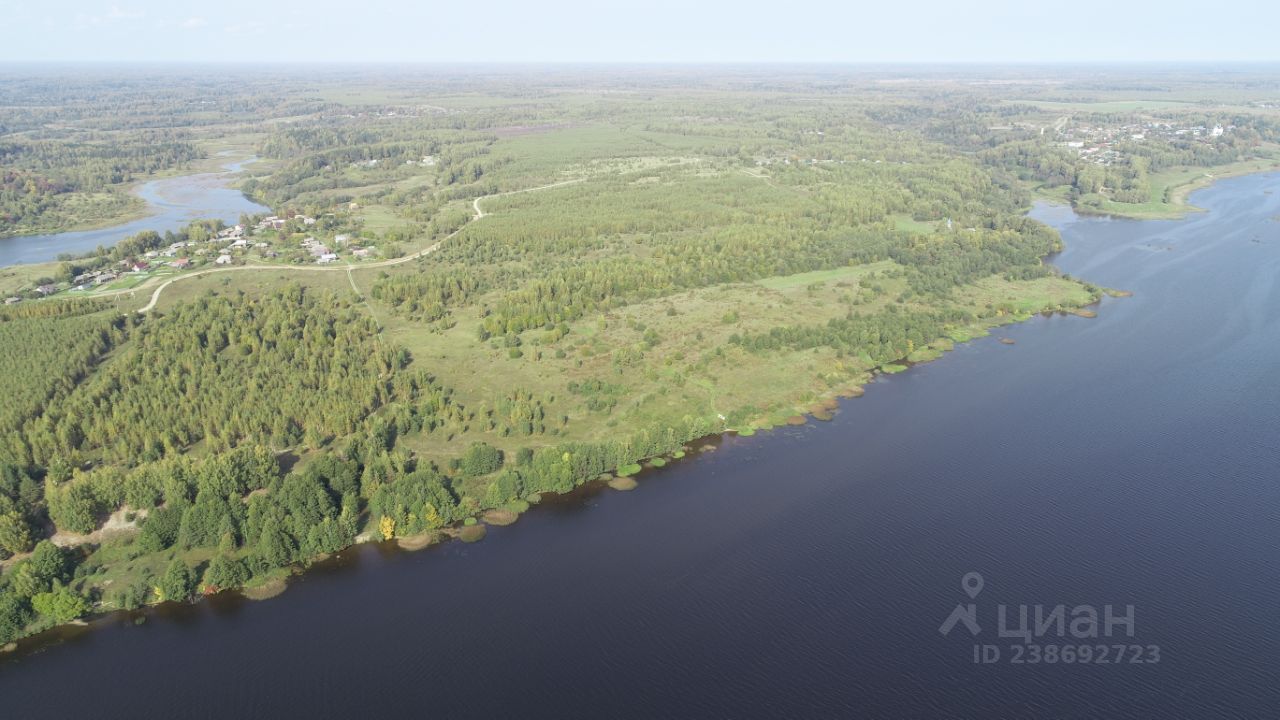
point(1127, 460)
point(172, 203)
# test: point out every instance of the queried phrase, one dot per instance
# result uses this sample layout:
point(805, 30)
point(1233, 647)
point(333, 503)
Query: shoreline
point(799, 413)
point(817, 409)
point(215, 163)
point(1178, 195)
point(143, 210)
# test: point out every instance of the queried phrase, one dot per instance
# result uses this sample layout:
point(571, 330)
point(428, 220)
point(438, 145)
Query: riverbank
point(1169, 191)
point(125, 207)
point(222, 155)
point(750, 391)
point(794, 411)
point(164, 202)
point(765, 575)
point(747, 389)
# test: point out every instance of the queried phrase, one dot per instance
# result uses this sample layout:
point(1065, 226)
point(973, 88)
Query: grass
point(909, 224)
point(851, 274)
point(623, 483)
point(1024, 297)
point(1170, 189)
point(130, 280)
point(925, 355)
point(17, 278)
point(500, 517)
point(378, 219)
point(418, 542)
point(265, 587)
point(251, 282)
point(517, 506)
point(472, 533)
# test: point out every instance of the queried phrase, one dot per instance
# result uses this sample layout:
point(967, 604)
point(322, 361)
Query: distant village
point(1099, 144)
point(270, 239)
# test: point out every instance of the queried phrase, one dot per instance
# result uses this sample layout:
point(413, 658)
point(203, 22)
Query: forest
point(584, 284)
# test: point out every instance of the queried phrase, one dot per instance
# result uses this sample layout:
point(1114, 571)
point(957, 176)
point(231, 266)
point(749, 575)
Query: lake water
point(1129, 459)
point(173, 204)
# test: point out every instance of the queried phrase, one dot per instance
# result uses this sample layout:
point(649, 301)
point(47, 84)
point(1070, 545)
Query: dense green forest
point(583, 282)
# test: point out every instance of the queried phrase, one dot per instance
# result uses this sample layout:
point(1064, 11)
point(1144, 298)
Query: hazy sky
point(648, 31)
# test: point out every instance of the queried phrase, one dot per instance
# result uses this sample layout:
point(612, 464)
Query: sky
point(853, 31)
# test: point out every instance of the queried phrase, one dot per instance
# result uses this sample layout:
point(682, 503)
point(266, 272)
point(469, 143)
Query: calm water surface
point(804, 572)
point(172, 202)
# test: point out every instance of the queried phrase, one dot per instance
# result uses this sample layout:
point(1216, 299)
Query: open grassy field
point(380, 218)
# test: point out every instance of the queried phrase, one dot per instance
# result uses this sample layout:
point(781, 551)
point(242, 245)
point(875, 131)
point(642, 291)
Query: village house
point(12, 300)
point(47, 289)
point(229, 233)
point(181, 263)
point(327, 258)
point(273, 222)
point(223, 260)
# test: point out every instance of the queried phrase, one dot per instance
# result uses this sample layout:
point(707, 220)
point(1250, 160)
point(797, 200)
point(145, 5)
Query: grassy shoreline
point(796, 411)
point(1169, 198)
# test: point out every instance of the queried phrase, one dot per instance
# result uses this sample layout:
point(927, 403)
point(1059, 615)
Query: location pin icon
point(972, 584)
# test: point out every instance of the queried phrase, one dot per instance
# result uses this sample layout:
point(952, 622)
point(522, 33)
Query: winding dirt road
point(475, 204)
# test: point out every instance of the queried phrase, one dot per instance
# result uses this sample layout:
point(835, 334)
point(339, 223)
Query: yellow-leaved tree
point(388, 527)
